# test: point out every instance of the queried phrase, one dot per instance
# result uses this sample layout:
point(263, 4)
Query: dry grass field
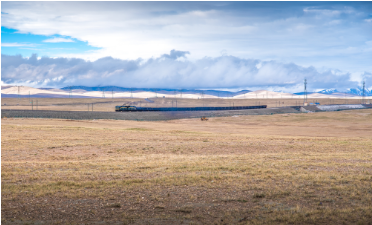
point(108, 104)
point(313, 168)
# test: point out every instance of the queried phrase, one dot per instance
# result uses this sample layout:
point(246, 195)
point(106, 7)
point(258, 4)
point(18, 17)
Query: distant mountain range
point(351, 91)
point(158, 90)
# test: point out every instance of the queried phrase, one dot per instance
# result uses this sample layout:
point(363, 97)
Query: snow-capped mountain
point(353, 91)
point(359, 91)
point(328, 91)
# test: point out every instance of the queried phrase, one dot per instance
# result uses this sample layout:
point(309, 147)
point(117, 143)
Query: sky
point(240, 45)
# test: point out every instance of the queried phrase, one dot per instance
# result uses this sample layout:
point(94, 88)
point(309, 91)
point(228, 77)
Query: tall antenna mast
point(305, 91)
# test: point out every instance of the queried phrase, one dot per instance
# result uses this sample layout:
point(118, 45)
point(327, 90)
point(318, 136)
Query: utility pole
point(305, 91)
point(19, 91)
point(70, 92)
point(345, 97)
point(202, 97)
point(364, 86)
point(103, 92)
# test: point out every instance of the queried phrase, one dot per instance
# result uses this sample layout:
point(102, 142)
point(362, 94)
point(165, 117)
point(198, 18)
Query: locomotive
point(125, 108)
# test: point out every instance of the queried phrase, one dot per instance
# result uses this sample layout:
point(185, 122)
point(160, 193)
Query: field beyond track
point(108, 104)
point(313, 168)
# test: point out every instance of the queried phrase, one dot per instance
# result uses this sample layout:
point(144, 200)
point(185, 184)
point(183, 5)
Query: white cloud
point(281, 31)
point(334, 22)
point(57, 40)
point(17, 45)
point(168, 71)
point(129, 30)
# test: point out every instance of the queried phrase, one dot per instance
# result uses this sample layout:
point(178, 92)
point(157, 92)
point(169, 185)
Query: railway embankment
point(170, 115)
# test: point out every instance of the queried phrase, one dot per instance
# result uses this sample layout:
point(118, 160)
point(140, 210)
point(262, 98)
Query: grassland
point(313, 168)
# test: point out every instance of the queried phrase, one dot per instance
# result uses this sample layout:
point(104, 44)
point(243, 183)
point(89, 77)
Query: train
point(138, 109)
point(125, 108)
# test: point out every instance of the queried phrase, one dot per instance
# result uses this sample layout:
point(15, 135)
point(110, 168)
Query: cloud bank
point(331, 34)
point(169, 71)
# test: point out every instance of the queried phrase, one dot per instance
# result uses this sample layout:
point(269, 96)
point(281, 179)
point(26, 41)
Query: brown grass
point(280, 169)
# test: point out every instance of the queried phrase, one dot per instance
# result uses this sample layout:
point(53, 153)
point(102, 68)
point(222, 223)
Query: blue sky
point(311, 38)
point(27, 44)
